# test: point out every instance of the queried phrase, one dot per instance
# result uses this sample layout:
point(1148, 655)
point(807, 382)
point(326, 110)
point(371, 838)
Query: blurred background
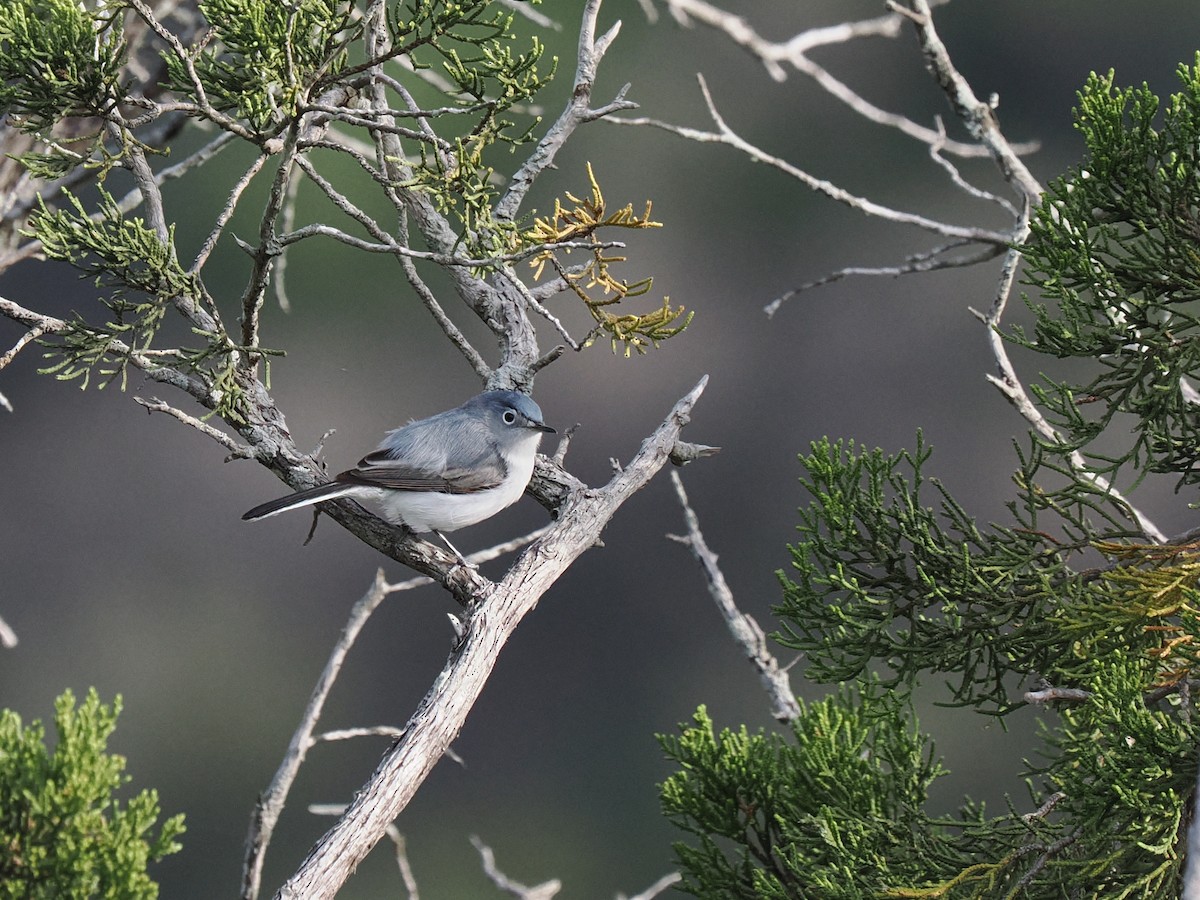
point(126, 566)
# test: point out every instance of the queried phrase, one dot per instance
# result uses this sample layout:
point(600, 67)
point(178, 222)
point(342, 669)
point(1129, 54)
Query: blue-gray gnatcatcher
point(442, 473)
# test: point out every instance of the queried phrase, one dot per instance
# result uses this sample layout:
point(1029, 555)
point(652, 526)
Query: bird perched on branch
point(442, 473)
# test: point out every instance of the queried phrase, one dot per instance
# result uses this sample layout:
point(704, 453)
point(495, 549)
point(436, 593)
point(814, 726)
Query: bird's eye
point(509, 417)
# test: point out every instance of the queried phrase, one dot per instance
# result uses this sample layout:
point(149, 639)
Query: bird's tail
point(305, 497)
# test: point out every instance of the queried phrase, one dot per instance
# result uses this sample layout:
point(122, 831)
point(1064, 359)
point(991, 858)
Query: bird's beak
point(540, 426)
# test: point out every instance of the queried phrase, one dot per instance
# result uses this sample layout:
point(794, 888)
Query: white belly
point(433, 511)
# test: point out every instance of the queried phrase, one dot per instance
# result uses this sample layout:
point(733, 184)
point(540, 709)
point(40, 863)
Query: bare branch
point(578, 110)
point(793, 51)
point(669, 880)
point(726, 135)
point(935, 153)
point(346, 734)
point(226, 213)
point(978, 117)
point(746, 631)
point(148, 364)
point(1046, 808)
point(268, 246)
point(270, 804)
point(35, 332)
point(545, 891)
point(406, 872)
point(151, 195)
point(1050, 694)
point(537, 307)
point(203, 107)
point(287, 221)
point(923, 262)
point(1013, 390)
point(430, 302)
point(236, 450)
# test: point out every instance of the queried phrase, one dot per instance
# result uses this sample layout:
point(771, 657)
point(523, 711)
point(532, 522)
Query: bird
point(443, 473)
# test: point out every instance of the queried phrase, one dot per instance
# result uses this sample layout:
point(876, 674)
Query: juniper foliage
point(63, 833)
point(895, 585)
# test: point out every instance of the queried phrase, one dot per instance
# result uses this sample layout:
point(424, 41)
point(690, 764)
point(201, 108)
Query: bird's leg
point(462, 559)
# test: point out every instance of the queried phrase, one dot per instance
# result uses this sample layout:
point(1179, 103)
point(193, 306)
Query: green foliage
point(62, 833)
point(834, 811)
point(887, 590)
point(120, 252)
point(893, 584)
point(883, 582)
point(56, 60)
point(1126, 769)
point(882, 578)
point(1113, 253)
point(140, 277)
point(255, 71)
point(471, 43)
point(263, 58)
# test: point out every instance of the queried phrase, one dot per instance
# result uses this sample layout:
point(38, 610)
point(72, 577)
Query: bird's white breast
point(434, 511)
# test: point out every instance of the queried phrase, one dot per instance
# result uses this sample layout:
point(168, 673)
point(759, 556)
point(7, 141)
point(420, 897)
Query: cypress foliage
point(893, 584)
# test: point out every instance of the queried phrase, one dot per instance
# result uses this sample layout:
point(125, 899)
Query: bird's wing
point(417, 457)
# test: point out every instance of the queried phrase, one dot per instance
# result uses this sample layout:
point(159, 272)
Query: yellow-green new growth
point(581, 222)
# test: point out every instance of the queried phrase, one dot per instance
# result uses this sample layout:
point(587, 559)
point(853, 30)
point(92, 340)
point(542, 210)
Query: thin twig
point(793, 51)
point(1046, 808)
point(346, 734)
point(980, 120)
point(1013, 390)
point(1050, 694)
point(746, 631)
point(1040, 863)
point(287, 221)
point(190, 383)
point(935, 153)
point(590, 52)
point(270, 805)
point(669, 880)
point(923, 262)
point(406, 872)
point(473, 357)
point(203, 106)
point(726, 135)
point(226, 213)
point(978, 117)
point(148, 187)
point(236, 449)
point(545, 891)
point(268, 248)
point(28, 337)
point(537, 307)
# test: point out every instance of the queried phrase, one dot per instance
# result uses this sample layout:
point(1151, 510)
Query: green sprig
point(1112, 253)
point(62, 833)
